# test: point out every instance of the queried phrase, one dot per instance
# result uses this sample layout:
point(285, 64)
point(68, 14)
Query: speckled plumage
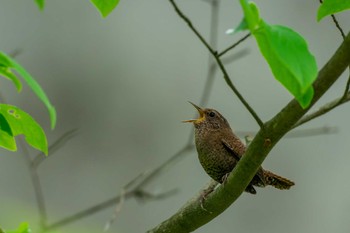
point(219, 150)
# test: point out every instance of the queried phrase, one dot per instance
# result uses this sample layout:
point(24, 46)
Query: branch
point(39, 158)
point(324, 109)
point(337, 25)
point(298, 133)
point(234, 45)
point(132, 192)
point(191, 216)
point(219, 62)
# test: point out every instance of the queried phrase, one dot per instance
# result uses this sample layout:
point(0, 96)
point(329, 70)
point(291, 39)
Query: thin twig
point(142, 195)
point(121, 201)
point(336, 23)
point(234, 45)
point(15, 52)
point(340, 29)
point(312, 132)
point(323, 110)
point(219, 62)
point(347, 87)
point(39, 158)
point(84, 213)
point(146, 178)
point(38, 191)
point(163, 167)
point(133, 189)
point(298, 133)
point(39, 196)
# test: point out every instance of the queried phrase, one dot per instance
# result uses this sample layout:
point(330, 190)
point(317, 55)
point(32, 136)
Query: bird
point(220, 149)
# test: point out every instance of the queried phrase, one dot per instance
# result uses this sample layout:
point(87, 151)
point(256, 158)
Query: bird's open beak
point(201, 115)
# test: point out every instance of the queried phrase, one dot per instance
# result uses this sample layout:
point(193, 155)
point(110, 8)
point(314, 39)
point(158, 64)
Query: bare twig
point(323, 110)
point(16, 53)
point(121, 201)
point(234, 45)
point(142, 195)
point(38, 191)
point(336, 23)
point(39, 158)
point(299, 133)
point(219, 62)
point(87, 212)
point(312, 132)
point(39, 196)
point(141, 181)
point(340, 29)
point(346, 91)
point(137, 193)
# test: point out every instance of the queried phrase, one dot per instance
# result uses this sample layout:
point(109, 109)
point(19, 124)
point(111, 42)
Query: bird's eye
point(212, 114)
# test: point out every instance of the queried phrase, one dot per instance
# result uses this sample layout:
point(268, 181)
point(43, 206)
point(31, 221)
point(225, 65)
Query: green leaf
point(40, 3)
point(105, 6)
point(5, 61)
point(7, 73)
point(251, 14)
point(23, 228)
point(7, 139)
point(329, 7)
point(8, 63)
point(285, 51)
point(241, 27)
point(5, 65)
point(20, 122)
point(289, 58)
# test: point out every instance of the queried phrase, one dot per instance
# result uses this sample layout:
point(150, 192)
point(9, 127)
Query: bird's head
point(209, 118)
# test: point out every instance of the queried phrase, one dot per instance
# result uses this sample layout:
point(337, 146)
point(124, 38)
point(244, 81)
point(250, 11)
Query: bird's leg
point(205, 192)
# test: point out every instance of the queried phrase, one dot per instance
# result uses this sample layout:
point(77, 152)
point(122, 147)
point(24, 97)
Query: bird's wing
point(231, 149)
point(237, 151)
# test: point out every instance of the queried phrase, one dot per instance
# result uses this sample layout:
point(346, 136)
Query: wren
point(219, 151)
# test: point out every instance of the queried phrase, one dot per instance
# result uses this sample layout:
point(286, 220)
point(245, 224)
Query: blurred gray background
point(124, 81)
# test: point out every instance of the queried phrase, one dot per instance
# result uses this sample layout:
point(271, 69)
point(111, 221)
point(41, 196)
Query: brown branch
point(234, 45)
point(219, 62)
point(336, 23)
point(340, 29)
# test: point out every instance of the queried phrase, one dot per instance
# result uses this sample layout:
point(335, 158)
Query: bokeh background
point(124, 82)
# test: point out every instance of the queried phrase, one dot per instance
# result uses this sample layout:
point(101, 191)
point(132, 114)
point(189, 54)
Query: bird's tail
point(277, 181)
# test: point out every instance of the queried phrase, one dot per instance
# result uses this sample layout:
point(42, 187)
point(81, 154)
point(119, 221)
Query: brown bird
point(219, 150)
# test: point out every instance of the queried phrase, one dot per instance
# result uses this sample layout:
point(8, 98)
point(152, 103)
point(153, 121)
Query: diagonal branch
point(234, 45)
point(191, 216)
point(324, 109)
point(219, 62)
point(39, 158)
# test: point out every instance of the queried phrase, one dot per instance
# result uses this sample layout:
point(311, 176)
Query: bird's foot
point(204, 195)
point(224, 178)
